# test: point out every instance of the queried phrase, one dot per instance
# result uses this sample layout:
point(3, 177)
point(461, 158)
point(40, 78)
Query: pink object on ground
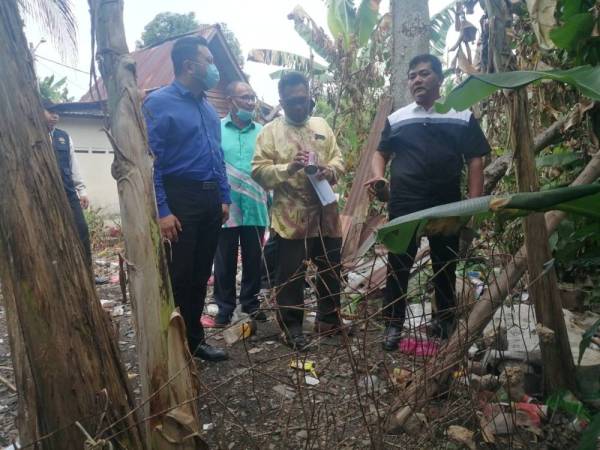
point(114, 279)
point(418, 347)
point(207, 321)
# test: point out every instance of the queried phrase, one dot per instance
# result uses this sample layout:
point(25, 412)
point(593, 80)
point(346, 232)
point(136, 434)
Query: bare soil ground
point(256, 400)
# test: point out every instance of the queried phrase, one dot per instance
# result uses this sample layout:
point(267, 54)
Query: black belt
point(208, 185)
point(195, 184)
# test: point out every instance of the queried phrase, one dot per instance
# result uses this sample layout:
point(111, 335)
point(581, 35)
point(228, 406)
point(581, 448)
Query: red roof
point(154, 68)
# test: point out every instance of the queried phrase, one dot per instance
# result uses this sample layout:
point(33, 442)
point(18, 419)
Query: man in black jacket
point(428, 152)
point(71, 177)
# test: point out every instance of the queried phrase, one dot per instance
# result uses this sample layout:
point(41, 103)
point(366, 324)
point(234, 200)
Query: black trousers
point(249, 238)
point(82, 228)
point(291, 271)
point(190, 258)
point(269, 266)
point(444, 251)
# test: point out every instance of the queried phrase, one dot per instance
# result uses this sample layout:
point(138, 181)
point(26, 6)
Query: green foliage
point(478, 87)
point(286, 59)
point(575, 35)
point(587, 339)
point(440, 24)
point(366, 20)
point(562, 160)
point(589, 437)
point(566, 402)
point(95, 223)
point(447, 219)
point(56, 91)
point(341, 18)
point(166, 25)
point(349, 23)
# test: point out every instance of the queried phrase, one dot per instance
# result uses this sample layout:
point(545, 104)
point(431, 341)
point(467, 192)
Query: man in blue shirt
point(248, 215)
point(192, 193)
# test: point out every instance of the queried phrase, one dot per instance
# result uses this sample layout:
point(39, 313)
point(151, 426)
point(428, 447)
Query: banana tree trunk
point(162, 352)
point(557, 360)
point(411, 30)
point(57, 325)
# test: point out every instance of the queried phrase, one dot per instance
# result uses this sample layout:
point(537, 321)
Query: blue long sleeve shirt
point(184, 133)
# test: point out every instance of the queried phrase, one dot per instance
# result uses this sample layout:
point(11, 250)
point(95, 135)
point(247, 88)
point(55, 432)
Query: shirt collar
point(230, 123)
point(185, 92)
point(416, 107)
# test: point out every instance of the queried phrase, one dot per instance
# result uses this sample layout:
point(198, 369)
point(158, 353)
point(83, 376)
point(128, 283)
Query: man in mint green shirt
point(248, 215)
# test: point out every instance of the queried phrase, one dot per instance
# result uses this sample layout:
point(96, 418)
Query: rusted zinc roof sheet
point(154, 68)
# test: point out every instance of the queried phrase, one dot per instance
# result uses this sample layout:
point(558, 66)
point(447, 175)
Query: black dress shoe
point(297, 341)
point(258, 315)
point(210, 353)
point(441, 328)
point(391, 337)
point(98, 280)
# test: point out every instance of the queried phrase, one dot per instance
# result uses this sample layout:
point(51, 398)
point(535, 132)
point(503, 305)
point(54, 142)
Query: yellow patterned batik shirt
point(297, 212)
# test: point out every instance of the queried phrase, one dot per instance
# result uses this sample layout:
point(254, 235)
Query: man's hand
point(225, 212)
point(325, 173)
point(299, 162)
point(84, 201)
point(381, 195)
point(169, 227)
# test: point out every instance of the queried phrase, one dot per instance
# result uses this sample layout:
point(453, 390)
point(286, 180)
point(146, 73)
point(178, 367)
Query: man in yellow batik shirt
point(304, 228)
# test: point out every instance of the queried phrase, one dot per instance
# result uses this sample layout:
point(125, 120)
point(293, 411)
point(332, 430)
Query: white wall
point(94, 156)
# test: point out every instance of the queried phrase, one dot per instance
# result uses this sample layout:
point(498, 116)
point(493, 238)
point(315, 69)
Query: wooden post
point(57, 324)
point(162, 353)
point(557, 360)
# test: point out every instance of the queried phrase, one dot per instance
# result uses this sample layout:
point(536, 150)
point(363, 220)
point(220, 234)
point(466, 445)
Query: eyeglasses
point(295, 101)
point(246, 98)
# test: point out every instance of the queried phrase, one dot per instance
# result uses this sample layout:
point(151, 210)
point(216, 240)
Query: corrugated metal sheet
point(154, 68)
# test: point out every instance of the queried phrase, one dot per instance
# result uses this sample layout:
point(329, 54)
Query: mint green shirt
point(248, 200)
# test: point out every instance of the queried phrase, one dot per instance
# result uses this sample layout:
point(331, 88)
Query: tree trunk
point(67, 338)
point(557, 360)
point(411, 30)
point(162, 359)
point(499, 54)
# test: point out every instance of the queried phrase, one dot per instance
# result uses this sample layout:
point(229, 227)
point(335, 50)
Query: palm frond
point(440, 24)
point(56, 17)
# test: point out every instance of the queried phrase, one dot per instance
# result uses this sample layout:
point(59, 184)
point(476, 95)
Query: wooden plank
point(356, 209)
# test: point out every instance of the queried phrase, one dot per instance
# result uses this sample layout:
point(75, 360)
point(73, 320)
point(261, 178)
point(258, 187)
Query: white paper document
point(321, 187)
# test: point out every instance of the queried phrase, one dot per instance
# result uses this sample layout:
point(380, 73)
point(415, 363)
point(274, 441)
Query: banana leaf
point(477, 87)
point(366, 19)
point(312, 33)
point(449, 218)
point(341, 19)
point(440, 24)
point(285, 59)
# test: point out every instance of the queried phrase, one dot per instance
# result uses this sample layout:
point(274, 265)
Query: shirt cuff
point(82, 192)
point(163, 210)
point(226, 198)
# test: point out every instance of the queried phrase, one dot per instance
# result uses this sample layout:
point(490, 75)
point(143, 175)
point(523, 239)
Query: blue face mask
point(244, 115)
point(211, 78)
